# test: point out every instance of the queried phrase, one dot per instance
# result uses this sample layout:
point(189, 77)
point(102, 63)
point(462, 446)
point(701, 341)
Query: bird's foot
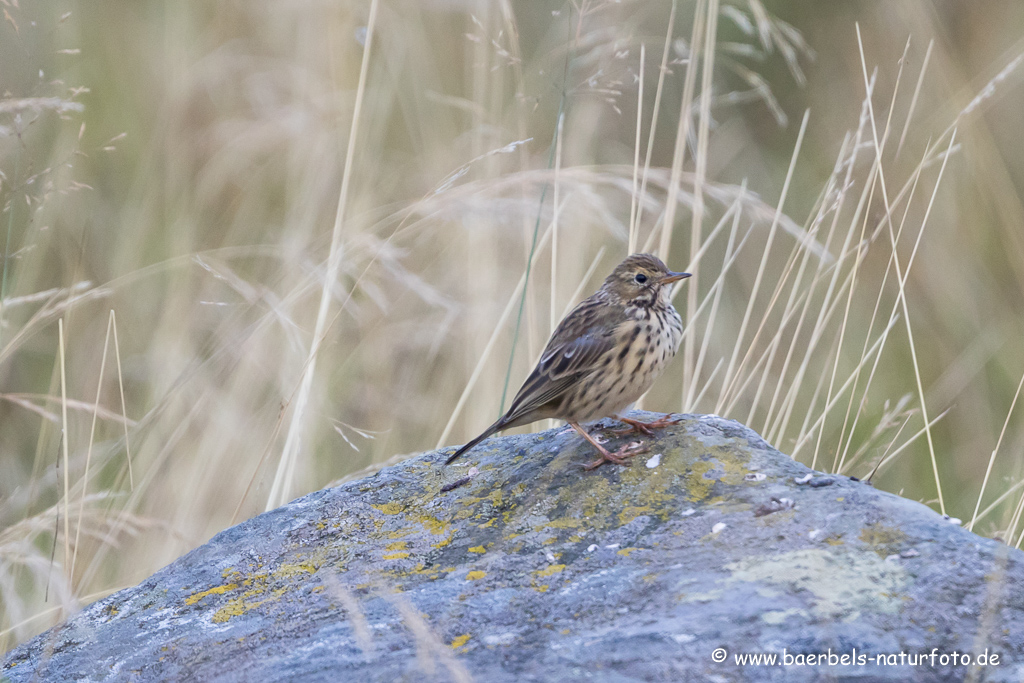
point(619, 457)
point(645, 428)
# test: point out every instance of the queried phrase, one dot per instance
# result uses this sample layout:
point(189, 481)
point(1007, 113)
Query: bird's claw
point(646, 428)
point(619, 457)
point(632, 428)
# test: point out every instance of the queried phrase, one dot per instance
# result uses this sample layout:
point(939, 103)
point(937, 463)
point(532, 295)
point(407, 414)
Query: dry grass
point(331, 232)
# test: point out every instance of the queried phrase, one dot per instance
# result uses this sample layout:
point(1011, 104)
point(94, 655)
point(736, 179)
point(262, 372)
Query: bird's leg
point(645, 427)
point(618, 457)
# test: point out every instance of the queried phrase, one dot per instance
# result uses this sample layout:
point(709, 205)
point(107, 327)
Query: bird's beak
point(672, 277)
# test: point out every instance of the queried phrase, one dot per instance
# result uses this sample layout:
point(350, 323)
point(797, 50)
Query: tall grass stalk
point(289, 312)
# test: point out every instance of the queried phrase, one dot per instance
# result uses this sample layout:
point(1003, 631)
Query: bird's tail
point(497, 426)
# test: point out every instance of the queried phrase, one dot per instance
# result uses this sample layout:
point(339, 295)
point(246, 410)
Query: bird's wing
point(578, 343)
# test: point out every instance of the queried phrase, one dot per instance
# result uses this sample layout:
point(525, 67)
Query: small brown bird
point(603, 356)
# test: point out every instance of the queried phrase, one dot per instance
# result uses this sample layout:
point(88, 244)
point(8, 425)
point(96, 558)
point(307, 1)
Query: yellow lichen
point(564, 523)
point(885, 539)
point(697, 486)
point(399, 533)
point(626, 551)
point(443, 543)
point(433, 525)
point(216, 590)
point(396, 556)
point(397, 545)
point(390, 508)
point(239, 606)
point(459, 641)
point(631, 512)
point(289, 570)
point(474, 575)
point(548, 571)
point(258, 586)
point(478, 549)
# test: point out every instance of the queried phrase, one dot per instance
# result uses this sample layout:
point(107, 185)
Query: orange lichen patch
point(216, 590)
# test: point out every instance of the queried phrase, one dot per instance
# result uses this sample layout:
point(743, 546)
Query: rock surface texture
point(537, 570)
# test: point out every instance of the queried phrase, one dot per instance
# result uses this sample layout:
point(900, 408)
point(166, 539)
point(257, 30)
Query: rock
point(537, 570)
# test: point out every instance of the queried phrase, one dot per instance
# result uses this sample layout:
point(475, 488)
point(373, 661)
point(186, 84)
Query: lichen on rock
point(534, 568)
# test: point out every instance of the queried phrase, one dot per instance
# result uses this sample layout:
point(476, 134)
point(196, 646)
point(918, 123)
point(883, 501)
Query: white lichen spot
point(776, 617)
point(838, 586)
point(718, 527)
point(654, 461)
point(500, 639)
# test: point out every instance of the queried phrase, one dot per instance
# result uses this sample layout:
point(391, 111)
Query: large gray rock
point(538, 570)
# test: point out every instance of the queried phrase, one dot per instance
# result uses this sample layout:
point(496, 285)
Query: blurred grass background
point(181, 165)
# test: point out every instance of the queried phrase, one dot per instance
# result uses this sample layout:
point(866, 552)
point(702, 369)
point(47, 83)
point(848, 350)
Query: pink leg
point(646, 427)
point(618, 457)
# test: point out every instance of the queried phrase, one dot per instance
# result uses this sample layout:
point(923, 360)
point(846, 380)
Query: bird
point(602, 357)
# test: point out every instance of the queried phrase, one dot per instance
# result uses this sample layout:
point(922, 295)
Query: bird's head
point(641, 280)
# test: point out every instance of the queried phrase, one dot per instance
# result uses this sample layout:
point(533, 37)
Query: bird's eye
point(640, 278)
